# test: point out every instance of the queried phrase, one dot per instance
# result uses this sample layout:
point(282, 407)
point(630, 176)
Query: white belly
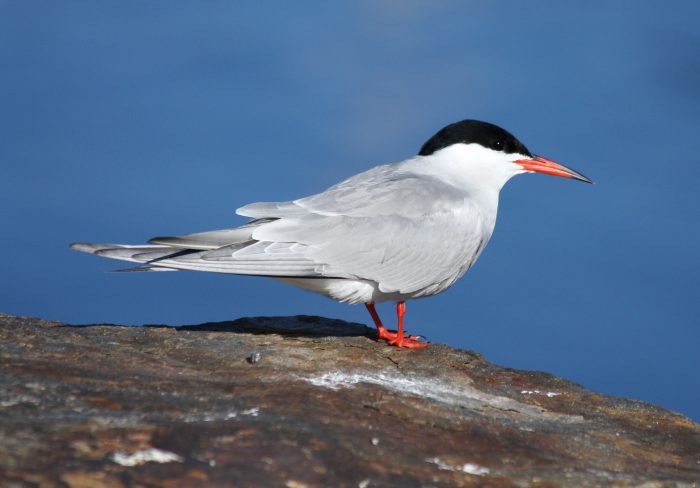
point(363, 291)
point(344, 290)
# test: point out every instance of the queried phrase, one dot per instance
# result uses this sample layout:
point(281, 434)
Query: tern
point(395, 232)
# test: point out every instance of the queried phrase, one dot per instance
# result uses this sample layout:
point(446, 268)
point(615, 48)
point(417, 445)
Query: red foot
point(395, 338)
point(388, 335)
point(408, 342)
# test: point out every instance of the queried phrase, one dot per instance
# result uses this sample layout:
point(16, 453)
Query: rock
point(307, 402)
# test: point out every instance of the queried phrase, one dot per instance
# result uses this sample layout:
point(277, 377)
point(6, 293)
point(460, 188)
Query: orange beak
point(547, 166)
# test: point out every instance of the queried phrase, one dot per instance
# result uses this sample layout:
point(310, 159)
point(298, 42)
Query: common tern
point(395, 232)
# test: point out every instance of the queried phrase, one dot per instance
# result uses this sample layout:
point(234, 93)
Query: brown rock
point(307, 402)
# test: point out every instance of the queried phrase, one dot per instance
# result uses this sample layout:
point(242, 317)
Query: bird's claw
point(408, 342)
point(392, 336)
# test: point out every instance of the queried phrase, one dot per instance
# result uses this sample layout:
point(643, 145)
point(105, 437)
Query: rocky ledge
point(306, 402)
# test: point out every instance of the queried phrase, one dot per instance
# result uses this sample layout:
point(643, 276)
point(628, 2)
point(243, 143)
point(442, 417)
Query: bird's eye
point(498, 145)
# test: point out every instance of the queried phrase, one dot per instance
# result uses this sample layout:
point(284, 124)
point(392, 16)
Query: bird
point(395, 232)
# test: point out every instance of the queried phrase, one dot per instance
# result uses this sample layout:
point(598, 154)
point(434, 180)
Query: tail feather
point(134, 253)
point(136, 269)
point(159, 257)
point(213, 239)
point(232, 251)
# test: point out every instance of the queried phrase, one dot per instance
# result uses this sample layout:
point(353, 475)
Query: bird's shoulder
point(390, 189)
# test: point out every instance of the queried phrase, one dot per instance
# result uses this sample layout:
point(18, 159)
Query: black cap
point(476, 132)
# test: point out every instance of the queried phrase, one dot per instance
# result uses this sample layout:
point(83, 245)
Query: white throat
point(472, 168)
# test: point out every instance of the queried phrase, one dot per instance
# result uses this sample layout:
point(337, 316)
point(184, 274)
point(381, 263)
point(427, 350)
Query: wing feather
point(212, 239)
point(408, 232)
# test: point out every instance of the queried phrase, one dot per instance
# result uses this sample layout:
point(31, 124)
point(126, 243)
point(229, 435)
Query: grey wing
point(231, 251)
point(405, 232)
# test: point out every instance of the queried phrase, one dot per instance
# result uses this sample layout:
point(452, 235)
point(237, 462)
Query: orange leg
point(393, 337)
point(382, 332)
point(410, 342)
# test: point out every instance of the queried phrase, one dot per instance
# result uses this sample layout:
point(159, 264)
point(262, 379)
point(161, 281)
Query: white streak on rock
point(438, 389)
point(217, 416)
point(18, 400)
point(549, 394)
point(145, 456)
point(468, 468)
point(475, 469)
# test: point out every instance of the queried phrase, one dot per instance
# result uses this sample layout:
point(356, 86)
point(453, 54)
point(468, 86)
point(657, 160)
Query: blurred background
point(120, 121)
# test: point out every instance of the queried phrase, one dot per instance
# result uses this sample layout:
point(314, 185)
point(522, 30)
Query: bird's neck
point(477, 172)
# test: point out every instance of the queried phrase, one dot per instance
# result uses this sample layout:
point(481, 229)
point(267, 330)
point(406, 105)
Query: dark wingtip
point(160, 240)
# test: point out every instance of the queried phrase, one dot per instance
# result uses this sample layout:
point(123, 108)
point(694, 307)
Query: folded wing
point(403, 231)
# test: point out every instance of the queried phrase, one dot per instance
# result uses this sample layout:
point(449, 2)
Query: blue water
point(124, 120)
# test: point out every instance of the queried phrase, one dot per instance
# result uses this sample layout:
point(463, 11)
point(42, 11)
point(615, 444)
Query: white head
point(489, 156)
